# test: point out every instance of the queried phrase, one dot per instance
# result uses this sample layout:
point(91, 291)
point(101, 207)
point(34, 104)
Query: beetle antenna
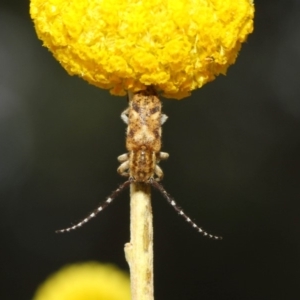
point(95, 212)
point(172, 202)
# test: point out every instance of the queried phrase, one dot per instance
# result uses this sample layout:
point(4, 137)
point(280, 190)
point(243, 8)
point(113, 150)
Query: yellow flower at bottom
point(174, 45)
point(86, 281)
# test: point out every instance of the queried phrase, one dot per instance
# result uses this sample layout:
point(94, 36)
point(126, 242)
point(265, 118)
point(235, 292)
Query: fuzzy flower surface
point(120, 45)
point(86, 281)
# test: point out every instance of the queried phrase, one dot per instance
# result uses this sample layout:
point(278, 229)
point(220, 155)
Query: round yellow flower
point(85, 281)
point(174, 45)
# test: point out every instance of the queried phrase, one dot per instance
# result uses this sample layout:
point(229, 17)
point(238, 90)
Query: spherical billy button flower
point(86, 281)
point(126, 45)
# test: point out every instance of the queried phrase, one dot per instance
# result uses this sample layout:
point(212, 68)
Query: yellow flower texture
point(86, 281)
point(120, 45)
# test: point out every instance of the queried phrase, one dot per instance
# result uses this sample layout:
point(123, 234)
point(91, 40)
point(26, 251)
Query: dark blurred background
point(234, 167)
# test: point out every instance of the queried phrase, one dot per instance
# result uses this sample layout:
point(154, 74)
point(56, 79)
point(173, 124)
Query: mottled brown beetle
point(143, 138)
point(143, 142)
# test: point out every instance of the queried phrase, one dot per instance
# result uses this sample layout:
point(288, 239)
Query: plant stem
point(139, 251)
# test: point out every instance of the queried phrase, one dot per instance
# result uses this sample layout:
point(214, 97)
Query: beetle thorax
point(142, 164)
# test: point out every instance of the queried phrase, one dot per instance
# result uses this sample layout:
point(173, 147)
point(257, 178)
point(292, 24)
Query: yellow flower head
point(85, 282)
point(174, 45)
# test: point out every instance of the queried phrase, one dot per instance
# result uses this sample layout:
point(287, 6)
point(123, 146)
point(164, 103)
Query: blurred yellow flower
point(174, 45)
point(86, 281)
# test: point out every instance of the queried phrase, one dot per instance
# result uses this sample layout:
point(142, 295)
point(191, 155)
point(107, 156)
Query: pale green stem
point(139, 251)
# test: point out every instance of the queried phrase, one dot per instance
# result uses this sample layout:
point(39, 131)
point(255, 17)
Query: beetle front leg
point(159, 173)
point(123, 169)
